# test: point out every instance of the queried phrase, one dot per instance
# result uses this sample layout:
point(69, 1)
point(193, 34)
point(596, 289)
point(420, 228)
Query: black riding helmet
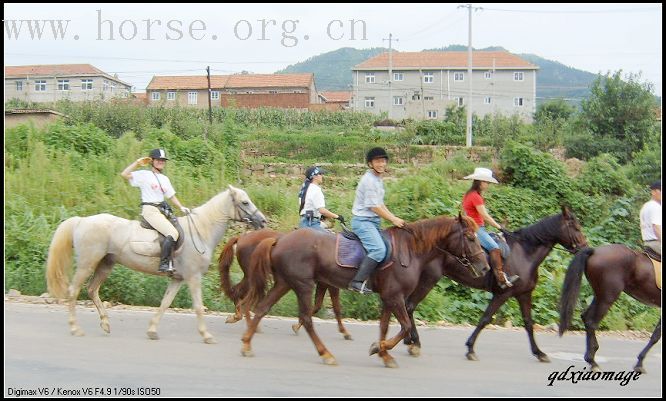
point(376, 153)
point(158, 154)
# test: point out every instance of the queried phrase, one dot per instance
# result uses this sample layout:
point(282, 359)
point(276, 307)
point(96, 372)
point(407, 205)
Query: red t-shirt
point(470, 201)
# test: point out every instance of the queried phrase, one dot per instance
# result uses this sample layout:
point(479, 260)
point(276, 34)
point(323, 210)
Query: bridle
point(572, 239)
point(246, 216)
point(464, 259)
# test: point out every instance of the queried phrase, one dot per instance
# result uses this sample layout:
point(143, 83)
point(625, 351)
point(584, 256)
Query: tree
point(554, 110)
point(620, 112)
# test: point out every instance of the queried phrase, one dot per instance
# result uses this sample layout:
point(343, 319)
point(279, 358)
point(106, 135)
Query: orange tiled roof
point(480, 59)
point(337, 96)
point(55, 70)
point(238, 81)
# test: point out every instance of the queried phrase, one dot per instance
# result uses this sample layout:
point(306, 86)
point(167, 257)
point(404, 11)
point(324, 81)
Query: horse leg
point(375, 348)
point(195, 290)
point(656, 335)
point(495, 303)
point(591, 317)
point(279, 289)
point(525, 302)
point(319, 301)
point(303, 292)
point(412, 341)
point(235, 317)
point(101, 274)
point(169, 295)
point(86, 267)
point(337, 309)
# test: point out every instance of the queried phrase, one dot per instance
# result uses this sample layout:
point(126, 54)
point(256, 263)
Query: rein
point(463, 260)
point(190, 223)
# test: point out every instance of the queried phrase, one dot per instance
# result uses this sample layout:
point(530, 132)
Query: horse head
point(244, 209)
point(473, 253)
point(571, 234)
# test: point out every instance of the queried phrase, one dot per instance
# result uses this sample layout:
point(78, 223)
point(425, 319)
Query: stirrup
point(363, 287)
point(166, 268)
point(508, 281)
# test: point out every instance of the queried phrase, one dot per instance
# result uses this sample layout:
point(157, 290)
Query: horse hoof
point(374, 348)
point(153, 335)
point(295, 328)
point(595, 369)
point(231, 319)
point(390, 364)
point(106, 327)
point(348, 337)
point(78, 333)
point(210, 340)
point(247, 352)
point(472, 356)
point(414, 350)
point(330, 361)
point(543, 358)
point(640, 370)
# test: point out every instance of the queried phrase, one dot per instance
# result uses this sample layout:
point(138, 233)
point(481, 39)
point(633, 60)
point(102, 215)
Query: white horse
point(102, 240)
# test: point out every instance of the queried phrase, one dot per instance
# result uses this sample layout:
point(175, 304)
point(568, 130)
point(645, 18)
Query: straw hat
point(482, 174)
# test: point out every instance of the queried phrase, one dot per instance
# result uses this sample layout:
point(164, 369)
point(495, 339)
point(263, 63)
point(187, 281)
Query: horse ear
point(461, 220)
point(565, 210)
point(231, 188)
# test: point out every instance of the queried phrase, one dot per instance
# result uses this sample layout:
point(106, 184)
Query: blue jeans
point(367, 229)
point(487, 242)
point(315, 223)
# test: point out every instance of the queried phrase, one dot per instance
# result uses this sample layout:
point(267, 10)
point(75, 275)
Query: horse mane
point(428, 232)
point(543, 231)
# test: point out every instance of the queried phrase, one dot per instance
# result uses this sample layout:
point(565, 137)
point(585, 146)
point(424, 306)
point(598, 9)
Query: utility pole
point(210, 106)
point(390, 73)
point(469, 75)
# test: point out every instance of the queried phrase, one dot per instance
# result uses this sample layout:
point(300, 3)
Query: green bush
point(603, 175)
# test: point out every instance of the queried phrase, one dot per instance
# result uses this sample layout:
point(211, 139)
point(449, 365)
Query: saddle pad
point(144, 241)
point(350, 253)
point(657, 272)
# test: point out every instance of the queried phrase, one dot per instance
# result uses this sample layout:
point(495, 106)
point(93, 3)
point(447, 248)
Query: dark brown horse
point(303, 257)
point(529, 247)
point(610, 269)
point(245, 245)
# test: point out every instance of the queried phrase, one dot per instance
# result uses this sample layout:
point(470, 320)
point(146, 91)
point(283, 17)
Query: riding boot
point(359, 282)
point(496, 263)
point(165, 261)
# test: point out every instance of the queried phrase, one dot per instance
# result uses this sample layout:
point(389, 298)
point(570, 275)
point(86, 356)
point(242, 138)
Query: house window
point(398, 100)
point(294, 92)
point(428, 98)
point(518, 76)
point(171, 95)
point(155, 96)
point(63, 84)
point(19, 86)
point(369, 102)
point(191, 97)
point(273, 92)
point(398, 76)
point(105, 86)
point(459, 76)
point(416, 96)
point(369, 77)
point(215, 95)
point(86, 84)
point(488, 75)
point(40, 86)
point(428, 77)
point(432, 114)
point(486, 100)
point(518, 101)
point(459, 101)
point(251, 92)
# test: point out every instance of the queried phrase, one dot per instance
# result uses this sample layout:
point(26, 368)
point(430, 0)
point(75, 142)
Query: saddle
point(349, 250)
point(655, 258)
point(505, 251)
point(147, 241)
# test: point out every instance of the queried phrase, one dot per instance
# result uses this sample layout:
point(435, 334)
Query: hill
point(554, 80)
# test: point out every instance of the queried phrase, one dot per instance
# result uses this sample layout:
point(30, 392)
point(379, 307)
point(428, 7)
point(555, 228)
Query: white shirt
point(314, 200)
point(369, 193)
point(154, 187)
point(650, 215)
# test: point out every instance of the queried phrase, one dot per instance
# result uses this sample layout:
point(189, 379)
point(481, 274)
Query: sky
point(137, 41)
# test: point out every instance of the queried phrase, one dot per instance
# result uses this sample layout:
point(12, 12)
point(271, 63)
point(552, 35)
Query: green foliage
point(645, 168)
point(83, 138)
point(603, 175)
point(433, 132)
point(554, 110)
point(621, 111)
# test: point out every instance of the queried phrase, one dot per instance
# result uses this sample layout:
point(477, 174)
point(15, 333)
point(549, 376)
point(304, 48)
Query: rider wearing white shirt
point(651, 219)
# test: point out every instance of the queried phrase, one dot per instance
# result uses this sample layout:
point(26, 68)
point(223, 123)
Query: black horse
point(610, 269)
point(529, 247)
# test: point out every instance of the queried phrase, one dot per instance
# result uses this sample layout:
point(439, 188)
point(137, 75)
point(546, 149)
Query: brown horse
point(610, 269)
point(529, 247)
point(245, 245)
point(303, 257)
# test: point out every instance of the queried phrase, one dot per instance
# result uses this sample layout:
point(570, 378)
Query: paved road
point(41, 356)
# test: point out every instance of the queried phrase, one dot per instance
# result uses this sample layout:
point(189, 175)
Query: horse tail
point(59, 261)
point(571, 287)
point(224, 266)
point(258, 273)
